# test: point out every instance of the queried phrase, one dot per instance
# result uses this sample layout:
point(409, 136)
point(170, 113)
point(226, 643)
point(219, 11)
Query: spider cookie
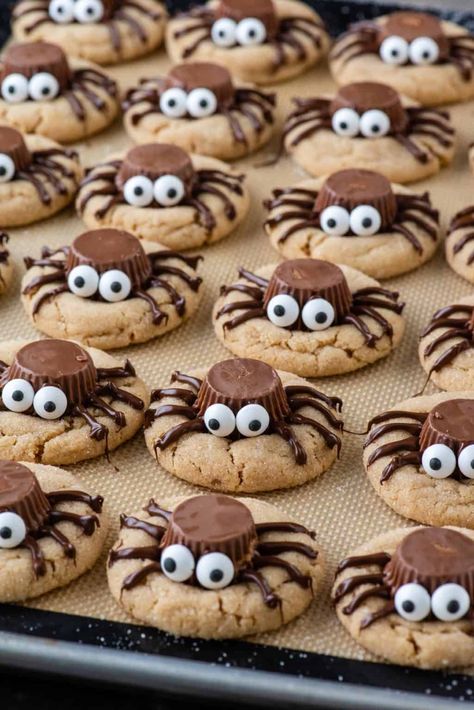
point(162, 194)
point(198, 108)
point(419, 456)
point(367, 124)
point(51, 529)
point(62, 403)
point(37, 177)
point(42, 92)
point(355, 217)
point(100, 31)
point(212, 566)
point(6, 265)
point(261, 42)
point(242, 426)
point(109, 290)
point(459, 247)
point(408, 595)
point(420, 56)
point(309, 317)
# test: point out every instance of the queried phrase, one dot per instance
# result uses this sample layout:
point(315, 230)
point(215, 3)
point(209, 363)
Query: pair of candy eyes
point(363, 220)
point(42, 86)
point(439, 461)
point(251, 420)
point(7, 168)
point(49, 402)
point(140, 191)
point(371, 124)
point(317, 314)
point(449, 602)
point(83, 11)
point(248, 32)
point(396, 50)
point(113, 285)
point(199, 103)
point(214, 570)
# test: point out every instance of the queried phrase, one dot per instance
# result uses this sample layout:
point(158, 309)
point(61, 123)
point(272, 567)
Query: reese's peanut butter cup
point(21, 493)
point(411, 26)
point(13, 145)
point(198, 75)
point(450, 423)
point(263, 10)
point(34, 57)
point(153, 161)
point(368, 95)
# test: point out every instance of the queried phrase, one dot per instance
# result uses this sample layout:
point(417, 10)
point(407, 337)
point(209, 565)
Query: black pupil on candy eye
point(18, 396)
point(90, 10)
point(408, 606)
point(171, 103)
point(216, 575)
point(138, 191)
point(343, 125)
point(203, 103)
point(331, 223)
point(79, 281)
point(375, 128)
point(367, 222)
point(426, 55)
point(172, 193)
point(5, 533)
point(115, 287)
point(435, 464)
point(214, 424)
point(49, 407)
point(3, 170)
point(453, 606)
point(45, 90)
point(169, 565)
point(252, 33)
point(321, 317)
point(11, 89)
point(255, 425)
point(394, 52)
point(279, 311)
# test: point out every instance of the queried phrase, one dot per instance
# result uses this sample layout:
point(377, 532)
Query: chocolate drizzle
point(463, 220)
point(456, 323)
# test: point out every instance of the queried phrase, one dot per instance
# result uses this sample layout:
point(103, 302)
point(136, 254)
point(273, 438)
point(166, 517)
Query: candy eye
point(138, 191)
point(18, 395)
point(201, 103)
point(345, 122)
point(83, 281)
point(12, 530)
point(61, 11)
point(252, 420)
point(114, 285)
point(374, 123)
point(223, 32)
point(88, 11)
point(466, 461)
point(283, 310)
point(168, 190)
point(423, 50)
point(412, 602)
point(394, 50)
point(15, 88)
point(365, 220)
point(173, 103)
point(334, 220)
point(177, 563)
point(214, 570)
point(219, 420)
point(50, 402)
point(250, 31)
point(7, 168)
point(318, 314)
point(438, 461)
point(450, 602)
point(43, 86)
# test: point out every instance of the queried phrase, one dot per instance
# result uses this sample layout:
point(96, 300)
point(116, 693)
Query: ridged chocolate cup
point(431, 557)
point(12, 144)
point(364, 96)
point(21, 493)
point(305, 279)
point(411, 25)
point(55, 362)
point(213, 523)
point(354, 187)
point(110, 7)
point(197, 75)
point(106, 249)
point(263, 10)
point(242, 381)
point(34, 57)
point(154, 160)
point(450, 423)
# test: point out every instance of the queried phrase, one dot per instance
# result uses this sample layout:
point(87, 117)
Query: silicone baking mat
point(341, 506)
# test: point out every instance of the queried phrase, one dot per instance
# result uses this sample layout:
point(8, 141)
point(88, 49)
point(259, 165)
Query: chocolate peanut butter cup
point(412, 25)
point(21, 493)
point(13, 145)
point(153, 161)
point(368, 95)
point(34, 57)
point(203, 74)
point(263, 10)
point(450, 423)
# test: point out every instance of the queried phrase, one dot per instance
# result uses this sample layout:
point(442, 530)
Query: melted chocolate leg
point(303, 580)
point(136, 578)
point(362, 596)
point(375, 615)
point(120, 395)
point(98, 430)
point(157, 314)
point(287, 433)
point(61, 539)
point(117, 416)
point(153, 508)
point(88, 523)
point(269, 597)
point(178, 392)
point(351, 583)
point(155, 531)
point(94, 502)
point(37, 557)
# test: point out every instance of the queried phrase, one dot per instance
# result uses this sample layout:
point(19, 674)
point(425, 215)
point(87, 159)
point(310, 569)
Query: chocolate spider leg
point(350, 583)
point(157, 315)
point(286, 432)
point(153, 508)
point(107, 190)
point(241, 305)
point(64, 288)
point(179, 392)
point(334, 402)
point(297, 403)
point(373, 558)
point(76, 106)
point(3, 366)
point(249, 314)
point(231, 182)
point(191, 261)
point(287, 38)
point(255, 293)
point(277, 547)
point(229, 207)
point(41, 280)
point(419, 153)
point(94, 502)
point(377, 591)
point(99, 431)
point(361, 310)
point(39, 186)
point(87, 523)
point(126, 370)
point(303, 580)
point(330, 439)
point(375, 615)
point(207, 218)
point(408, 234)
point(149, 552)
point(37, 556)
point(118, 417)
point(413, 428)
point(60, 538)
point(132, 523)
point(262, 528)
point(250, 575)
point(193, 281)
point(194, 382)
point(353, 319)
point(235, 125)
point(133, 25)
point(120, 395)
point(58, 186)
point(136, 578)
point(253, 278)
point(447, 335)
point(449, 355)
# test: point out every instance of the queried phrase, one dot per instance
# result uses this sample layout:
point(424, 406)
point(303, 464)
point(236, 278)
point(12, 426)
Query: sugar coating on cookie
point(198, 105)
point(309, 316)
point(459, 251)
point(100, 31)
point(367, 123)
point(406, 583)
point(217, 429)
point(212, 548)
point(355, 217)
point(422, 57)
point(262, 42)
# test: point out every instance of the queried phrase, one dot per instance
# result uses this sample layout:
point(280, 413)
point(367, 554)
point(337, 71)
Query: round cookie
point(198, 108)
point(243, 427)
point(354, 217)
point(369, 124)
point(413, 459)
point(100, 31)
point(62, 403)
point(161, 194)
point(263, 42)
point(406, 595)
point(459, 247)
point(309, 317)
point(255, 569)
point(42, 92)
point(6, 264)
point(51, 529)
point(38, 177)
point(429, 60)
point(110, 290)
